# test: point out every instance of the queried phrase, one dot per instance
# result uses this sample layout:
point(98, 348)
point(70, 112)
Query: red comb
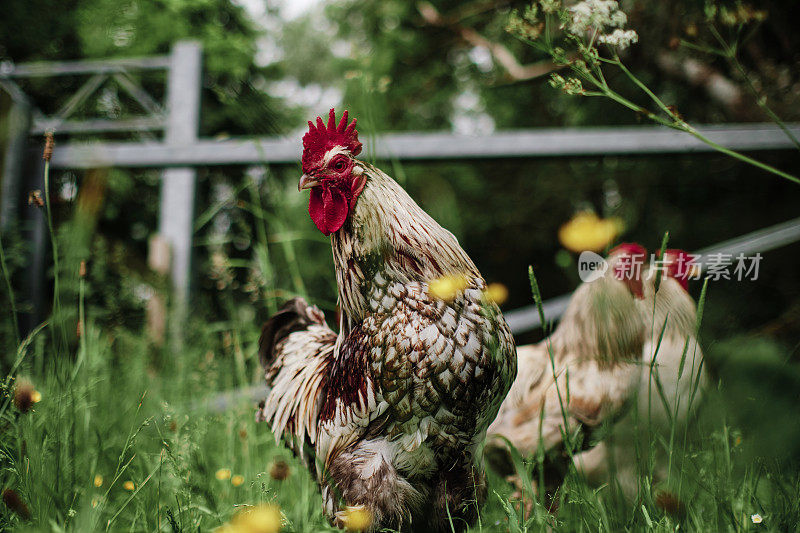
point(321, 138)
point(628, 248)
point(629, 259)
point(680, 266)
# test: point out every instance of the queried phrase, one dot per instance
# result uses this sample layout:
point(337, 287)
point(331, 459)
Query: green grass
point(127, 412)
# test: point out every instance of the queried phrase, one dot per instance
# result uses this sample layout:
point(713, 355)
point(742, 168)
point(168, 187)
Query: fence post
point(178, 184)
point(19, 125)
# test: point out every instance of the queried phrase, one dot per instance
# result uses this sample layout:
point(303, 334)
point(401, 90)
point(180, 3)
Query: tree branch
point(502, 55)
point(702, 75)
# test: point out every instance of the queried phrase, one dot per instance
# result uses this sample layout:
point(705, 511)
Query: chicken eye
point(339, 165)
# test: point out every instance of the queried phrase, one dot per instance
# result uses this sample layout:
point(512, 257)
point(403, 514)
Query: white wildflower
point(620, 38)
point(756, 518)
point(593, 15)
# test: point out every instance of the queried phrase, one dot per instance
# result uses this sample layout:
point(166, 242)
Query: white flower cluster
point(600, 16)
point(620, 38)
point(596, 14)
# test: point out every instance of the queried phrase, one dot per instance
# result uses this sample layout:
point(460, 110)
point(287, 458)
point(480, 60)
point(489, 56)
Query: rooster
point(391, 412)
point(585, 373)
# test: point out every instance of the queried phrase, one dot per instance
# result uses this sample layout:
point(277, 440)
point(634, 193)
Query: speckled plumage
point(401, 398)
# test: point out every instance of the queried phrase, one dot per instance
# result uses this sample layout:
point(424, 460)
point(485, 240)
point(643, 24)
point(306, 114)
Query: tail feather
point(296, 350)
point(295, 315)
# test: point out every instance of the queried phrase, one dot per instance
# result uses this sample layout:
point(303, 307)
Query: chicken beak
point(306, 182)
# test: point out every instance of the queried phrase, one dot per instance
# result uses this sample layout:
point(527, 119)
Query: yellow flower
point(447, 287)
point(36, 396)
point(98, 480)
point(265, 518)
point(237, 480)
point(128, 485)
point(756, 518)
point(586, 231)
point(356, 518)
point(223, 474)
point(497, 292)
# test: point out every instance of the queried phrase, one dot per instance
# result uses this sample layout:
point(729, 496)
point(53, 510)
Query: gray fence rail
point(544, 142)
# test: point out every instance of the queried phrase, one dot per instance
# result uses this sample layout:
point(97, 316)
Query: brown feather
point(295, 315)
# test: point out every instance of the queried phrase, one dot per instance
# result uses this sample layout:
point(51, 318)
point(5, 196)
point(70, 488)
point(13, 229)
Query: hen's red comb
point(681, 265)
point(628, 248)
point(321, 138)
point(628, 269)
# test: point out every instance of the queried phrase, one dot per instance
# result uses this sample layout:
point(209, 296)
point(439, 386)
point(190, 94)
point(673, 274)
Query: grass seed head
point(49, 143)
point(670, 503)
point(279, 470)
point(35, 198)
point(14, 502)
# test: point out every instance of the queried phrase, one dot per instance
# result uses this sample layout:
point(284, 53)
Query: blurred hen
point(586, 372)
point(671, 381)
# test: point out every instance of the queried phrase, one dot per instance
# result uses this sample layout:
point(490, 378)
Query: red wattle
point(328, 208)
